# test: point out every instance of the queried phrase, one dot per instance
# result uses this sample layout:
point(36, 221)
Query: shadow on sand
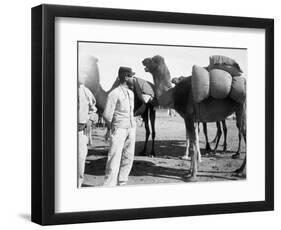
point(172, 149)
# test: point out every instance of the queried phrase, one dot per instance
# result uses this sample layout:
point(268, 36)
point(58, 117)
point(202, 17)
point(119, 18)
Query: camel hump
point(177, 80)
point(146, 87)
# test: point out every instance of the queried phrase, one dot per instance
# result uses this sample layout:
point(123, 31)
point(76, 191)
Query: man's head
point(125, 74)
point(82, 77)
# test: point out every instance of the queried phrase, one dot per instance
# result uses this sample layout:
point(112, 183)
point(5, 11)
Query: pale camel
point(180, 97)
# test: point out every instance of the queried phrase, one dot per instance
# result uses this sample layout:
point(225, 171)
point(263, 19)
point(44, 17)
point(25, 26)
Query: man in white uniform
point(86, 101)
point(119, 116)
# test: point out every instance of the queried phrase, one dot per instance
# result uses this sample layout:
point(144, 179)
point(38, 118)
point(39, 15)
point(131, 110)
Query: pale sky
point(178, 59)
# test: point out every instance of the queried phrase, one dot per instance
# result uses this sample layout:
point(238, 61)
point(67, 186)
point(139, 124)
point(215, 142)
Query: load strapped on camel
point(221, 79)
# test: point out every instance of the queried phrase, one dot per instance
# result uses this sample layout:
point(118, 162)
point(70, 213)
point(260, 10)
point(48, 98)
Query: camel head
point(88, 70)
point(89, 73)
point(160, 73)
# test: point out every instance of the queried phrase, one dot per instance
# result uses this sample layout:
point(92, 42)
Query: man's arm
point(92, 100)
point(110, 108)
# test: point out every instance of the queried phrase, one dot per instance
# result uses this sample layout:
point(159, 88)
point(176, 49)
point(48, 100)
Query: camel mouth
point(146, 62)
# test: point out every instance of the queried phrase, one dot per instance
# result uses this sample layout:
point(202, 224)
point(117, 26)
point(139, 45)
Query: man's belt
point(81, 127)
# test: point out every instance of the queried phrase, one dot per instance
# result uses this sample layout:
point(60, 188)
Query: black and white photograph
point(146, 114)
point(150, 114)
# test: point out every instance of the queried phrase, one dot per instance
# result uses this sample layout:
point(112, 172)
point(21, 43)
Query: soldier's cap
point(125, 71)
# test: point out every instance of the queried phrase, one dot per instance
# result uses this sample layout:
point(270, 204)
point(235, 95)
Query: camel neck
point(162, 84)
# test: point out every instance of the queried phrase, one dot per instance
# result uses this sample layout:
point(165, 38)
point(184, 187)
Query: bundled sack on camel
point(238, 89)
point(200, 83)
point(225, 63)
point(217, 84)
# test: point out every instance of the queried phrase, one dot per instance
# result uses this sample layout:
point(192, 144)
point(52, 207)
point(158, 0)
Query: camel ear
point(175, 80)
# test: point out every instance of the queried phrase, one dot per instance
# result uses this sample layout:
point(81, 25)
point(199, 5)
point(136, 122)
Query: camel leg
point(240, 170)
point(239, 124)
point(192, 130)
point(152, 116)
point(241, 119)
point(216, 137)
point(186, 156)
point(219, 132)
point(237, 154)
point(225, 136)
point(208, 147)
point(198, 145)
point(147, 132)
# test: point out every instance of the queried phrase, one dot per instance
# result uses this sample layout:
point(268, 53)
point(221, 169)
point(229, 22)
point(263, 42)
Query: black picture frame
point(43, 114)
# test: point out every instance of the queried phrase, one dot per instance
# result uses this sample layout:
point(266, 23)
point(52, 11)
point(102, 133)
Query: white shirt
point(119, 109)
point(86, 100)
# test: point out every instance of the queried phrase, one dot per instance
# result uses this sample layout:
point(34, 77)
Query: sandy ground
point(167, 166)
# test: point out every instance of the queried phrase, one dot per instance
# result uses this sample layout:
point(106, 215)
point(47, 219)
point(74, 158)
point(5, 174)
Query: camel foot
point(236, 156)
point(152, 154)
point(239, 173)
point(190, 178)
point(211, 154)
point(143, 153)
point(208, 148)
point(185, 157)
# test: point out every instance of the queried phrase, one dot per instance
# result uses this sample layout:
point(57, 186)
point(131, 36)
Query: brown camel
point(180, 97)
point(216, 140)
point(89, 65)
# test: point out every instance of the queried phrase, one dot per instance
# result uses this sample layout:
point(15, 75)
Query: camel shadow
point(143, 168)
point(139, 168)
point(217, 177)
point(163, 148)
point(172, 149)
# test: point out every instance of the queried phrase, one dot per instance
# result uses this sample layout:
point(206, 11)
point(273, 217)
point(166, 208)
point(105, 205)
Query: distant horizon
point(179, 59)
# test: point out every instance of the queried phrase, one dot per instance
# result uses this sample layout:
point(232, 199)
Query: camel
point(180, 97)
point(90, 66)
point(218, 134)
point(216, 140)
